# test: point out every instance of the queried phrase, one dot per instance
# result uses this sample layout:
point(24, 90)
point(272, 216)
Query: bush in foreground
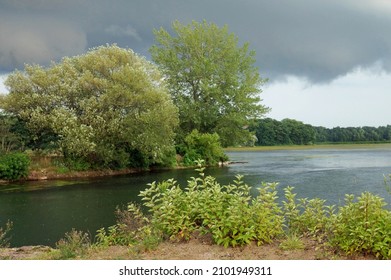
point(364, 226)
point(74, 244)
point(228, 213)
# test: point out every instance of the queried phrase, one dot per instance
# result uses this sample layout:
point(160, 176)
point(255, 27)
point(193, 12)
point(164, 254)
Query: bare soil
point(195, 249)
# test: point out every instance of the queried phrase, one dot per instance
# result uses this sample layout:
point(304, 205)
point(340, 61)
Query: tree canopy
point(213, 80)
point(271, 132)
point(107, 106)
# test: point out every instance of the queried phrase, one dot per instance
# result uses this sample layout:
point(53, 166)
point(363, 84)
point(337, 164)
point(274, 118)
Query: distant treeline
point(270, 132)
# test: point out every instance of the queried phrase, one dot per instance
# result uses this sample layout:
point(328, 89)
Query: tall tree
point(105, 107)
point(213, 80)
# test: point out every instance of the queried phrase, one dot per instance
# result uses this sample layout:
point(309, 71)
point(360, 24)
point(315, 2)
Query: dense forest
point(270, 132)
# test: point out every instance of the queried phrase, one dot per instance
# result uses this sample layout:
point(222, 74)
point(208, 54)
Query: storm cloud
point(318, 40)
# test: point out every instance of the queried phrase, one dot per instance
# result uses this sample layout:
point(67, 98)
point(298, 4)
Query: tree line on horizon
point(271, 132)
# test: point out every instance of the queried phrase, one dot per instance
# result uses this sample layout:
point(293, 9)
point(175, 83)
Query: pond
point(43, 211)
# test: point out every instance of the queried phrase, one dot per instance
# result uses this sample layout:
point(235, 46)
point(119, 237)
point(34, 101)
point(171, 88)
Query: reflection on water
point(43, 211)
point(38, 185)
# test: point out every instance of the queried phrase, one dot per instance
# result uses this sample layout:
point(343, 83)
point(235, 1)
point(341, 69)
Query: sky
point(328, 61)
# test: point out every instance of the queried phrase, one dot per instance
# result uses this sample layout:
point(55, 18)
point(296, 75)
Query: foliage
point(292, 242)
point(66, 164)
point(358, 227)
point(15, 136)
point(305, 216)
point(227, 212)
point(14, 166)
point(213, 80)
point(74, 244)
point(202, 146)
point(132, 228)
point(364, 226)
point(354, 134)
point(100, 107)
point(270, 132)
point(4, 234)
point(114, 235)
point(9, 141)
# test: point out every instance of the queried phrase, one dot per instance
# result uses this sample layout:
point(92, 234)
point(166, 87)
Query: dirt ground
point(195, 249)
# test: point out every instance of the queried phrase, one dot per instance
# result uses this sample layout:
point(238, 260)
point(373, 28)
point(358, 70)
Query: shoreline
point(340, 146)
point(40, 175)
point(49, 174)
point(46, 175)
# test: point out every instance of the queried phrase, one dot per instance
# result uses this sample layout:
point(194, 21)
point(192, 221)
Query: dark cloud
point(39, 41)
point(319, 40)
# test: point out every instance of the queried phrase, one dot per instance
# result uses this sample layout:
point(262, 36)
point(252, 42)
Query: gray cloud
point(38, 40)
point(316, 39)
point(119, 31)
point(319, 40)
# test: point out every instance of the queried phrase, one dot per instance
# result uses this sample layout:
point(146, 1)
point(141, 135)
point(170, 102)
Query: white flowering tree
point(107, 107)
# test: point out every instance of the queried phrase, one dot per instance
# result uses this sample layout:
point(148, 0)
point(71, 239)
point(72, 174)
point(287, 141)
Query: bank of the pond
point(53, 174)
point(44, 174)
point(310, 147)
point(43, 168)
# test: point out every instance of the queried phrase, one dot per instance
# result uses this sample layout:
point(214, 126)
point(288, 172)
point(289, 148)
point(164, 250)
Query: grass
point(292, 242)
point(310, 147)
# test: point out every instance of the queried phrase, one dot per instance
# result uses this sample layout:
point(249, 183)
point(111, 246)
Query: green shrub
point(310, 217)
point(364, 226)
point(74, 244)
point(169, 209)
point(132, 228)
point(4, 235)
point(292, 242)
point(14, 166)
point(267, 214)
point(227, 212)
point(358, 227)
point(204, 146)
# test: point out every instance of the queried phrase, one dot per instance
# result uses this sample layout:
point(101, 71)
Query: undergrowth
point(74, 244)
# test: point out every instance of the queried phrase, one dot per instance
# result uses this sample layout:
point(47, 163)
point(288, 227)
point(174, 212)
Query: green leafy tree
point(272, 132)
point(9, 141)
point(105, 107)
point(212, 79)
point(202, 146)
point(299, 133)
